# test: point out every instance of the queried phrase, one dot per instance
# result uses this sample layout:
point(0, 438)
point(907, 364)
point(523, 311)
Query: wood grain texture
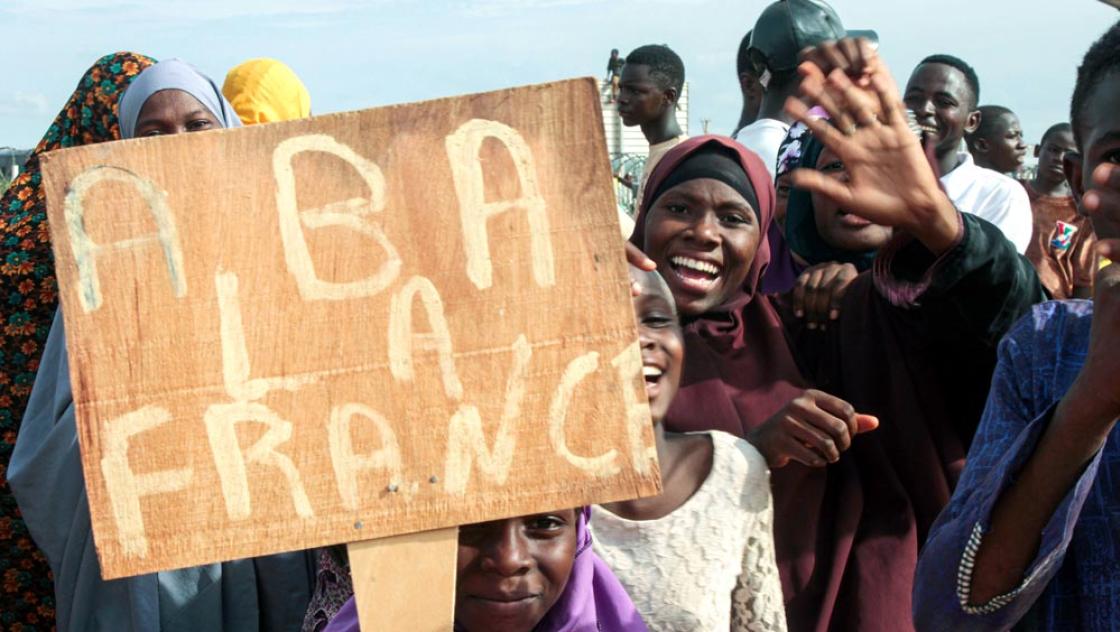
point(349, 327)
point(421, 599)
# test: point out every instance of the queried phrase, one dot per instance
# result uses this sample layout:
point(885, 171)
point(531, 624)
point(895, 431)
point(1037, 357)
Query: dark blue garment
point(263, 594)
point(1074, 582)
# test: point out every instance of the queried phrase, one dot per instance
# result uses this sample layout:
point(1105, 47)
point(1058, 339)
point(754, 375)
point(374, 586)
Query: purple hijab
point(592, 601)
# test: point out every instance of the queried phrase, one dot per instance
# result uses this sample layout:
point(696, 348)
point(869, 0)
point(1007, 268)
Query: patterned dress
point(30, 295)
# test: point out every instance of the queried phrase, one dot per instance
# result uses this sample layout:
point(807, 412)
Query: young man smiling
point(1032, 535)
point(943, 92)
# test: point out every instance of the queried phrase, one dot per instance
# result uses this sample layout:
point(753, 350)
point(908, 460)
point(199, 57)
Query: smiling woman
point(850, 509)
point(703, 230)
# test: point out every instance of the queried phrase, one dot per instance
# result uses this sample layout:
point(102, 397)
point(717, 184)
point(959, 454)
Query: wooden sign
point(348, 327)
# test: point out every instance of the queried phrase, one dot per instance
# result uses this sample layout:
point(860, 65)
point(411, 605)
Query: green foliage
point(4, 182)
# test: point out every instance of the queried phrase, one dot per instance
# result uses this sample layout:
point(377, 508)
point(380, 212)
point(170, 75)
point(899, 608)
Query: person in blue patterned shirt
point(1031, 537)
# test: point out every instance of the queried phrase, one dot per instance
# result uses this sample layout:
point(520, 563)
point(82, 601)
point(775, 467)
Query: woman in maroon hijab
point(913, 346)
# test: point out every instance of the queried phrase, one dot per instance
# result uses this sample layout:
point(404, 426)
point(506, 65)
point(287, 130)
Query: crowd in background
point(882, 372)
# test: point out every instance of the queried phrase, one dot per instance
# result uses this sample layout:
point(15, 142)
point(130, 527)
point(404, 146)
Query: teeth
point(651, 371)
point(702, 266)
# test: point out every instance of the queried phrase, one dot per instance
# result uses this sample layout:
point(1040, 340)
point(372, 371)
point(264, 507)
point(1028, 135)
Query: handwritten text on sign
point(354, 326)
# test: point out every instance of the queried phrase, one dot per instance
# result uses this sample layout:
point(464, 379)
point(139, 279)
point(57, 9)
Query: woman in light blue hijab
point(172, 75)
point(260, 594)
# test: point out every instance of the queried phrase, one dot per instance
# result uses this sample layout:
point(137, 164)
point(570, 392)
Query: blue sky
point(354, 54)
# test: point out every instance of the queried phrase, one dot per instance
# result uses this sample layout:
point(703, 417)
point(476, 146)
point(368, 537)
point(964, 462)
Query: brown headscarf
point(844, 534)
point(738, 369)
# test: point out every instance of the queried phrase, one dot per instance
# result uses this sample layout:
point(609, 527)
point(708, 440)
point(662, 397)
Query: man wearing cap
point(781, 32)
point(748, 85)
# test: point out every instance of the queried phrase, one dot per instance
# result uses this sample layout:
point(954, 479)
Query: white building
point(627, 147)
point(11, 162)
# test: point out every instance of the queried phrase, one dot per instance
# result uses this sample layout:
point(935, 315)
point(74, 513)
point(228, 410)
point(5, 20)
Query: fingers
point(1109, 249)
point(855, 57)
point(869, 56)
point(793, 450)
point(890, 102)
point(1102, 201)
point(784, 438)
point(866, 423)
point(815, 181)
point(845, 274)
point(851, 66)
point(811, 419)
point(638, 259)
point(823, 59)
point(800, 287)
point(1107, 175)
point(813, 429)
point(809, 285)
point(821, 129)
point(835, 58)
point(857, 104)
point(850, 50)
point(1107, 278)
point(838, 410)
point(816, 303)
point(834, 282)
point(813, 88)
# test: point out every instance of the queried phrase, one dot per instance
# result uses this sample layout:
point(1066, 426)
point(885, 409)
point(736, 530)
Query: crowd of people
point(881, 371)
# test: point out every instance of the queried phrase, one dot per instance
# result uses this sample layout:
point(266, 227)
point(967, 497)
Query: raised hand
point(812, 429)
point(890, 181)
point(856, 57)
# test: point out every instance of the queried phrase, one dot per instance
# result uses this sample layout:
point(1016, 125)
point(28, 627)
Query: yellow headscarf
point(264, 91)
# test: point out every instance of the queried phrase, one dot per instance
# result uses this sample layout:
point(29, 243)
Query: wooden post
point(406, 582)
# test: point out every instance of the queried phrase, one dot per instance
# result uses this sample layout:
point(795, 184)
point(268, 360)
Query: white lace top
point(709, 565)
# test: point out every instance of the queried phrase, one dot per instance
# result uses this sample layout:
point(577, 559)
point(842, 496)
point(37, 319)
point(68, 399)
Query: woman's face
point(511, 572)
point(662, 343)
point(782, 186)
point(837, 227)
point(174, 112)
point(703, 236)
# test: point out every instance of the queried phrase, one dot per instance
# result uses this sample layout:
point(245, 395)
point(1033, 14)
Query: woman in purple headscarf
point(530, 574)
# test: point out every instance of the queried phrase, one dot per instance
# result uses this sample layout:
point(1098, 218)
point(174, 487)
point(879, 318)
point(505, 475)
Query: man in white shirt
point(943, 92)
point(781, 32)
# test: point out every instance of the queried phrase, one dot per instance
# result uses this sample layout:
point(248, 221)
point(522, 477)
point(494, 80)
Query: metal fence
point(627, 169)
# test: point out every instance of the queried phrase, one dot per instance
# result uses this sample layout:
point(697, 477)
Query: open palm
point(890, 181)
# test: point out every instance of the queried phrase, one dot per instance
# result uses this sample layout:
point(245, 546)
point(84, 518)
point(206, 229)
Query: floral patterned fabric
point(333, 588)
point(30, 295)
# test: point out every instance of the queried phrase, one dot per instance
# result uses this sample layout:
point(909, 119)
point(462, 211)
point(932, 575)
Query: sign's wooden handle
point(406, 582)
